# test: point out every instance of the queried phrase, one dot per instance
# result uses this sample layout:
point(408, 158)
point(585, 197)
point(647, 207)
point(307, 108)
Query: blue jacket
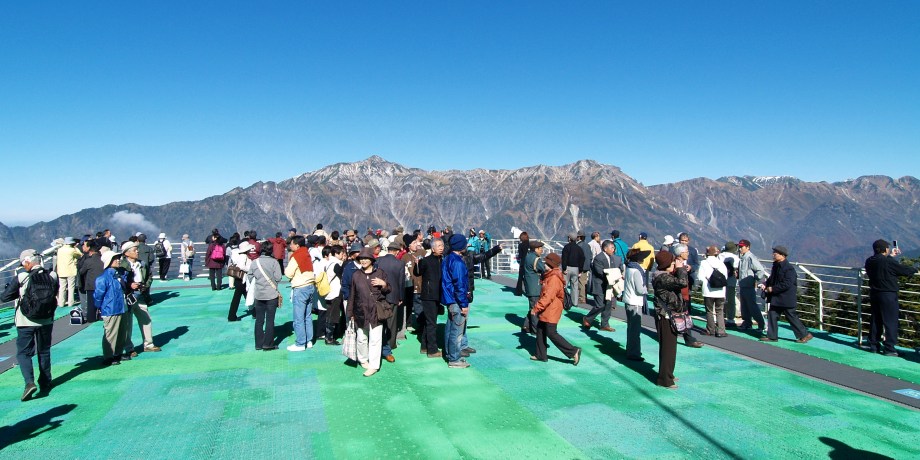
point(109, 295)
point(455, 286)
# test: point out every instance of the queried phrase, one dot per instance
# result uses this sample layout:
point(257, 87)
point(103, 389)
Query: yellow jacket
point(67, 261)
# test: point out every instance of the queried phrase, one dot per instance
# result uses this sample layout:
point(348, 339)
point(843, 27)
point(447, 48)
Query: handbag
point(350, 342)
point(680, 322)
point(235, 271)
point(384, 310)
point(250, 293)
point(274, 286)
point(183, 268)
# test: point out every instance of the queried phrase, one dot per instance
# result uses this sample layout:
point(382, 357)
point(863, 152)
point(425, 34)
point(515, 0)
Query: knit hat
point(730, 246)
point(664, 259)
point(553, 260)
point(457, 242)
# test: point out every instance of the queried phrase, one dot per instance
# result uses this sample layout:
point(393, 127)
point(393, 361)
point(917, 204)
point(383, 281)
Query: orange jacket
point(549, 307)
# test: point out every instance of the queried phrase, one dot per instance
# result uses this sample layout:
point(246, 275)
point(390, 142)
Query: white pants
point(370, 345)
point(66, 286)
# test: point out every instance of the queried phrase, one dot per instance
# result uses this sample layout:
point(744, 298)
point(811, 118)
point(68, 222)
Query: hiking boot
point(458, 364)
point(436, 354)
point(806, 338)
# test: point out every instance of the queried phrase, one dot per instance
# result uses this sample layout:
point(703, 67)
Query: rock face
point(819, 222)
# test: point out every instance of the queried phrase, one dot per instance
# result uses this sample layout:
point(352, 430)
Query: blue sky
point(177, 94)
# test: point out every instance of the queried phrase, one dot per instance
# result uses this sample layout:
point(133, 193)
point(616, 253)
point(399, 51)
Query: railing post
point(859, 322)
point(820, 299)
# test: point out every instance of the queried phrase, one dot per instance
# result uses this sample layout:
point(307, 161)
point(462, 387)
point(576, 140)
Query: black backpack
point(40, 298)
point(717, 280)
point(159, 250)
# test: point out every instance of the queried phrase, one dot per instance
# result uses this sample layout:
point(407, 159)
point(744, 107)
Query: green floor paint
point(209, 394)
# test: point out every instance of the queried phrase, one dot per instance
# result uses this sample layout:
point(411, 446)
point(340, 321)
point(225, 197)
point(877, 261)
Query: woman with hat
point(368, 287)
point(549, 310)
point(634, 297)
point(110, 299)
point(667, 282)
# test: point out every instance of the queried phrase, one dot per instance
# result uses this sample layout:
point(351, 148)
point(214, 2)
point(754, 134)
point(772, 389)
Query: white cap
point(107, 258)
point(162, 236)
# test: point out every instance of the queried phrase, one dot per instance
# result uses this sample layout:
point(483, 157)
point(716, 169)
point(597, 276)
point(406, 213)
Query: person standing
point(620, 248)
point(455, 296)
point(484, 245)
point(396, 279)
point(532, 268)
point(681, 256)
point(34, 291)
point(429, 269)
point(523, 249)
point(600, 284)
point(333, 258)
point(585, 271)
point(730, 260)
point(264, 278)
point(187, 257)
point(667, 282)
point(635, 290)
point(214, 259)
point(643, 245)
point(109, 295)
point(67, 256)
point(750, 274)
point(368, 287)
point(573, 259)
point(549, 309)
point(239, 257)
point(90, 269)
point(303, 292)
point(713, 296)
point(279, 247)
point(883, 271)
point(781, 290)
point(163, 250)
point(140, 280)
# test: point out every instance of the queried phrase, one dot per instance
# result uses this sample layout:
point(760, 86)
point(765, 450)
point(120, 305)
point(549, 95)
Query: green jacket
point(533, 268)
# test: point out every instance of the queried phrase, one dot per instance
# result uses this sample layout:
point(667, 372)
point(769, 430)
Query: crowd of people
point(369, 292)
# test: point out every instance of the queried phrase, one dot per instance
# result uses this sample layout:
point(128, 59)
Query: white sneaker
point(295, 347)
point(309, 344)
point(370, 372)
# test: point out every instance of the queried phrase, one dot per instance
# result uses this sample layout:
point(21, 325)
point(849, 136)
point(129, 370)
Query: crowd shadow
point(162, 296)
point(164, 338)
point(33, 426)
point(842, 451)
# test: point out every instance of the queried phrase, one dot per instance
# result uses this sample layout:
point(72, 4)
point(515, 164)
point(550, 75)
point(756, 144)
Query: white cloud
point(134, 222)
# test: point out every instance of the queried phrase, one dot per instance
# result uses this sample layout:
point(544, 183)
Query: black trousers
point(90, 312)
point(667, 351)
point(484, 270)
point(390, 328)
point(216, 275)
point(329, 318)
point(265, 323)
point(530, 321)
point(884, 307)
point(164, 267)
point(548, 331)
point(239, 292)
point(31, 341)
point(773, 320)
point(428, 326)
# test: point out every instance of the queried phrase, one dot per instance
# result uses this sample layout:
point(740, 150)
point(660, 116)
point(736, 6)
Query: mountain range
point(820, 222)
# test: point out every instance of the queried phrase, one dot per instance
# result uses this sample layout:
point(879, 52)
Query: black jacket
point(396, 276)
point(573, 256)
point(883, 272)
point(783, 279)
point(473, 259)
point(89, 270)
point(429, 268)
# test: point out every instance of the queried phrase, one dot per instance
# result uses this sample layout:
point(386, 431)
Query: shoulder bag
point(274, 286)
point(680, 322)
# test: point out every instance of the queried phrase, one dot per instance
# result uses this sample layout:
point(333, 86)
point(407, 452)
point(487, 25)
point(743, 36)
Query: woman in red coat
point(549, 310)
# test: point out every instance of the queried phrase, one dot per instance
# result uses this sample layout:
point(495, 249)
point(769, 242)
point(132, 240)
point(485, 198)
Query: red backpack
point(217, 253)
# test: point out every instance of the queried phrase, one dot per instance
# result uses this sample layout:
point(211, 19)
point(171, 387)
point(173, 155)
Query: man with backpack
point(36, 291)
point(163, 250)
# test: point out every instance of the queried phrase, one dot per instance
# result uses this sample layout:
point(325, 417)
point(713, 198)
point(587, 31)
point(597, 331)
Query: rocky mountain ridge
point(820, 222)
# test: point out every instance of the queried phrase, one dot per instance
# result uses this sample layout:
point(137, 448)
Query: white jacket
point(635, 290)
point(707, 266)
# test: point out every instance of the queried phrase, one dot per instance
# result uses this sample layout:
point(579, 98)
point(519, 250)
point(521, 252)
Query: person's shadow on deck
point(842, 451)
point(165, 337)
point(34, 425)
point(161, 296)
point(612, 348)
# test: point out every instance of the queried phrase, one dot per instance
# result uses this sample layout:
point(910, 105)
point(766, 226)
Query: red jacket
point(549, 307)
point(278, 247)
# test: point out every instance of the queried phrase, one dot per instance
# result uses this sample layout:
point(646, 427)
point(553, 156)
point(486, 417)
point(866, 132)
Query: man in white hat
point(33, 331)
point(67, 256)
point(163, 250)
point(139, 281)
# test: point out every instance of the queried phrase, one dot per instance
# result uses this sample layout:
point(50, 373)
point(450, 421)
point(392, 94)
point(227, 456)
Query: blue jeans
point(304, 298)
point(453, 332)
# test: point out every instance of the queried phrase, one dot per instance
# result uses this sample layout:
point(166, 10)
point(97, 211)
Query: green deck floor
point(209, 394)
